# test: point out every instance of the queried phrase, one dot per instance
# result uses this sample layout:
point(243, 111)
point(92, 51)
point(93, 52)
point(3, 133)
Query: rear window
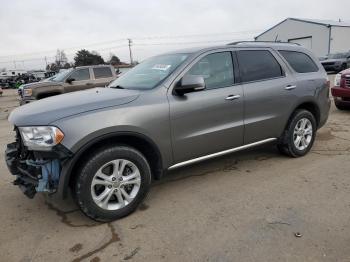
point(300, 62)
point(258, 65)
point(102, 72)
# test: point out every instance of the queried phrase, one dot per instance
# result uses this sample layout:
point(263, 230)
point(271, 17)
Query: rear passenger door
point(103, 75)
point(269, 94)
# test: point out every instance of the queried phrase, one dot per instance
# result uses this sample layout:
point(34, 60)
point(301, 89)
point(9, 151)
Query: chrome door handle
point(232, 97)
point(290, 87)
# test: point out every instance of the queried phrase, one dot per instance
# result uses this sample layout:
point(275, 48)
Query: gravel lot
point(247, 206)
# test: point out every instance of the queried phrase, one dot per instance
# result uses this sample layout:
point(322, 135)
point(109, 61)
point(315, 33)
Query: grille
point(347, 81)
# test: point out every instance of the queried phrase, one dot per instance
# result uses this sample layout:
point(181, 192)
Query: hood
point(48, 110)
point(336, 60)
point(41, 84)
point(346, 72)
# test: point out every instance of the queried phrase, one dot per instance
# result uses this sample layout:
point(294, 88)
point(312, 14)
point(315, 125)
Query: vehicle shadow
point(71, 216)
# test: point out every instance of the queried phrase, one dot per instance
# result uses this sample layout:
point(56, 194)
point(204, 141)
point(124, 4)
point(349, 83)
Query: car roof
point(92, 66)
point(243, 44)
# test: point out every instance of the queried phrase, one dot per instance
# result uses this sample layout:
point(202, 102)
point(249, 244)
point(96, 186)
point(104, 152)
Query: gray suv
point(106, 145)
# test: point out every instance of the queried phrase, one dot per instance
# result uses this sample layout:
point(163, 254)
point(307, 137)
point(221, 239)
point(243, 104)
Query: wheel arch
point(312, 107)
point(47, 94)
point(136, 140)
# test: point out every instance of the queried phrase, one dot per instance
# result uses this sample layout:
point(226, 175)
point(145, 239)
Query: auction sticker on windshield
point(161, 67)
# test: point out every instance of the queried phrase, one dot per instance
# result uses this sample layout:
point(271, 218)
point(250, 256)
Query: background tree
point(114, 60)
point(53, 67)
point(61, 58)
point(84, 57)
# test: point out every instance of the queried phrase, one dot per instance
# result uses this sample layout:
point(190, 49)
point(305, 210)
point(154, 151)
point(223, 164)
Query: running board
point(221, 153)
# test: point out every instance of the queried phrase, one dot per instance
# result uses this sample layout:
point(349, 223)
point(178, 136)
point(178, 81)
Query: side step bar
point(221, 153)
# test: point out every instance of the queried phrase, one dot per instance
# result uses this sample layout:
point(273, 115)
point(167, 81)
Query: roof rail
point(261, 42)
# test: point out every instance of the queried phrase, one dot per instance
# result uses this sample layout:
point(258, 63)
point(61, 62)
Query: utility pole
point(130, 43)
point(45, 62)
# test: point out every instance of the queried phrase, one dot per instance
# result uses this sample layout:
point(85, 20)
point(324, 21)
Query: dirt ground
point(254, 205)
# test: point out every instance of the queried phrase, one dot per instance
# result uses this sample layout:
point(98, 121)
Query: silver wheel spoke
point(297, 140)
point(120, 198)
point(308, 131)
point(131, 179)
point(303, 123)
point(97, 181)
point(126, 195)
point(102, 176)
point(135, 181)
point(101, 197)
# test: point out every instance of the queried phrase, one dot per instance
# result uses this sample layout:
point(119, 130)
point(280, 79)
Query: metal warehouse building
point(321, 36)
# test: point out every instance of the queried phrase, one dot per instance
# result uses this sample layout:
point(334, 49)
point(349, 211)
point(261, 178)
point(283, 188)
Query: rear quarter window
point(300, 62)
point(102, 72)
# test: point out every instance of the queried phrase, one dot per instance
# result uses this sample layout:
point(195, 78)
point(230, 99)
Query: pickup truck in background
point(341, 90)
point(71, 80)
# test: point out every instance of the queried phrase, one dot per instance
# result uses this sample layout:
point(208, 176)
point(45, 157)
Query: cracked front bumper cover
point(35, 171)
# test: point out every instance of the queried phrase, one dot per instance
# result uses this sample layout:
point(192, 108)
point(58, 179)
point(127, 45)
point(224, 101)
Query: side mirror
point(70, 80)
point(189, 83)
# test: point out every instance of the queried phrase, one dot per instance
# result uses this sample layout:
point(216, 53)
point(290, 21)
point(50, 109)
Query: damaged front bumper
point(35, 171)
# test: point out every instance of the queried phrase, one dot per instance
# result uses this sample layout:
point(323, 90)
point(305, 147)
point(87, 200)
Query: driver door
point(211, 120)
point(81, 80)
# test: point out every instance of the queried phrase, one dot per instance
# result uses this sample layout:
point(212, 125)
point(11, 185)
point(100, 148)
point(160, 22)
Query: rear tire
point(299, 135)
point(112, 183)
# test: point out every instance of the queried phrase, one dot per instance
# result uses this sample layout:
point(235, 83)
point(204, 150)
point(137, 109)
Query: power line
point(136, 38)
point(189, 43)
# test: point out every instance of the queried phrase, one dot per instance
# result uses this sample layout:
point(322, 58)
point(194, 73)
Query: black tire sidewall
point(290, 139)
point(88, 170)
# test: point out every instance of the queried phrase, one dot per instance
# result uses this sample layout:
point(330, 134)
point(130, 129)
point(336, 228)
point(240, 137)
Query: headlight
point(27, 92)
point(41, 137)
point(337, 80)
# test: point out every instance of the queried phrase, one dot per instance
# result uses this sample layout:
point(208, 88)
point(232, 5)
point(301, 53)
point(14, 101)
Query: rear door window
point(102, 72)
point(257, 65)
point(80, 74)
point(300, 62)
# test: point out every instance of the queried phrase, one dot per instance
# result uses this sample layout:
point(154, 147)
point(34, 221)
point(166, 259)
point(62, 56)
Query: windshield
point(149, 73)
point(62, 75)
point(337, 56)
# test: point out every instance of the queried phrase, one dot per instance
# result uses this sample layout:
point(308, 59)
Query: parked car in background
point(107, 145)
point(1, 91)
point(336, 62)
point(70, 80)
point(341, 90)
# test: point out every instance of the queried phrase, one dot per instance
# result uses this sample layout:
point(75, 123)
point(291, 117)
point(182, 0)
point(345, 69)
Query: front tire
point(299, 135)
point(112, 183)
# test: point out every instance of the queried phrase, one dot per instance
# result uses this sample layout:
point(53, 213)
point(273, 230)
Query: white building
point(321, 36)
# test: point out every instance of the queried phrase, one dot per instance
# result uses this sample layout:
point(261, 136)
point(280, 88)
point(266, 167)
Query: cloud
point(35, 29)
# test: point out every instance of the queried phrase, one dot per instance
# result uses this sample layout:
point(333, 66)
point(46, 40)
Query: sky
point(33, 30)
